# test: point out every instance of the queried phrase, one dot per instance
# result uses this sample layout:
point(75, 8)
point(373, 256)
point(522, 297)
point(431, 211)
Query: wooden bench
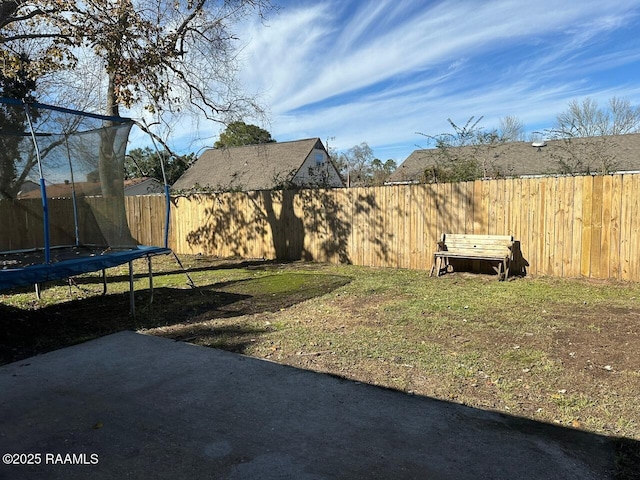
point(496, 248)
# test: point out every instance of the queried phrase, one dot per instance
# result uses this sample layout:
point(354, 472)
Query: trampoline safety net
point(61, 178)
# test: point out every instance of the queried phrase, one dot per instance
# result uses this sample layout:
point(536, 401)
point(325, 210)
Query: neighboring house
point(268, 166)
point(65, 190)
point(143, 186)
point(28, 186)
point(620, 153)
point(135, 186)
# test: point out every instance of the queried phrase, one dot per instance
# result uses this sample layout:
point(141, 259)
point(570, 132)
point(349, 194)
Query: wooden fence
point(21, 222)
point(585, 226)
point(99, 221)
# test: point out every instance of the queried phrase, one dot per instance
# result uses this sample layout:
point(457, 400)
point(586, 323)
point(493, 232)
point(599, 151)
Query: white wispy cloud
point(377, 72)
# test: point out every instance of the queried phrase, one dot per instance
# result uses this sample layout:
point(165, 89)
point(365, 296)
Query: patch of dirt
point(611, 339)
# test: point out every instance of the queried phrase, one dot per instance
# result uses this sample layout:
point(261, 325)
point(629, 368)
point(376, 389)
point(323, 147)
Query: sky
point(380, 71)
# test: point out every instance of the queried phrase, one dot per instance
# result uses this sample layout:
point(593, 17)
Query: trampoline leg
point(38, 292)
point(190, 281)
point(150, 281)
point(132, 300)
point(104, 282)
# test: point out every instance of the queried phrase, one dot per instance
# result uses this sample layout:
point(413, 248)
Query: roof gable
point(252, 167)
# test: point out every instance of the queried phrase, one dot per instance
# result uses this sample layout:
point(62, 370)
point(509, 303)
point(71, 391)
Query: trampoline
point(62, 209)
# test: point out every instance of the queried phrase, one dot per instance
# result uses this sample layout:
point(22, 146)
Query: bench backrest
point(490, 245)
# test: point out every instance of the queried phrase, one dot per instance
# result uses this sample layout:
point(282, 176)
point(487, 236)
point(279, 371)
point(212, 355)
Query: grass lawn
point(558, 351)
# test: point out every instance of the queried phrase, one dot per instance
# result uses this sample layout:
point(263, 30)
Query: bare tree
point(163, 55)
point(586, 134)
point(581, 119)
point(355, 164)
point(466, 154)
point(586, 119)
point(511, 129)
point(624, 117)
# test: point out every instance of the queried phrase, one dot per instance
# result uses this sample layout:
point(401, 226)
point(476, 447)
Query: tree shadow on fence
point(222, 223)
point(367, 206)
point(286, 225)
point(241, 224)
point(396, 226)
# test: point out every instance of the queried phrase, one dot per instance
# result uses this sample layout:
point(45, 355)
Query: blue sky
point(379, 71)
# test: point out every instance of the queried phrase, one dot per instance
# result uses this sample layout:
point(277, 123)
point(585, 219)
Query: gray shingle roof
point(517, 159)
point(252, 167)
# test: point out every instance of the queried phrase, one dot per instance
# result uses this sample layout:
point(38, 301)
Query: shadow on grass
point(627, 458)
point(30, 332)
point(141, 273)
point(619, 456)
point(27, 332)
point(626, 451)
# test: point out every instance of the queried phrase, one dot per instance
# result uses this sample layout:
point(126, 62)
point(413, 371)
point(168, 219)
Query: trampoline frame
point(13, 276)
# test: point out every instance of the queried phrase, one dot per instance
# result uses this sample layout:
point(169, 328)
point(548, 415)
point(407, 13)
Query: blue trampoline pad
point(72, 261)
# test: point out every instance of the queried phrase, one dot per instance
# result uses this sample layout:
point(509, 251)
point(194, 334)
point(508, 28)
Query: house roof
point(143, 186)
point(132, 182)
point(519, 159)
point(64, 190)
point(252, 167)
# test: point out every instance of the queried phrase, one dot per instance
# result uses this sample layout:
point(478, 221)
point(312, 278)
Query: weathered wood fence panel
point(567, 226)
point(22, 224)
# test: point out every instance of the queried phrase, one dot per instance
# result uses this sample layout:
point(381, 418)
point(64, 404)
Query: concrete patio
point(135, 406)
